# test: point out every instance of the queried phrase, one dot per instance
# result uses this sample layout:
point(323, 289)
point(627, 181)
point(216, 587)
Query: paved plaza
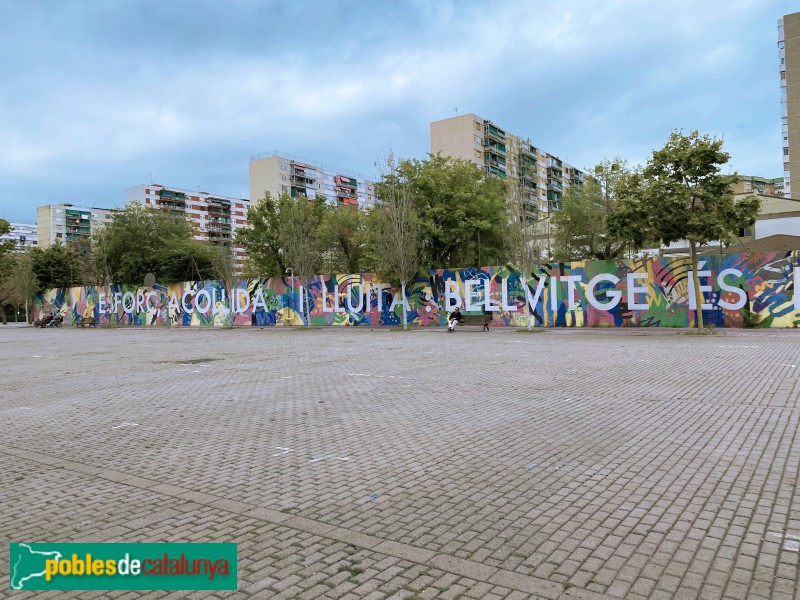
point(379, 464)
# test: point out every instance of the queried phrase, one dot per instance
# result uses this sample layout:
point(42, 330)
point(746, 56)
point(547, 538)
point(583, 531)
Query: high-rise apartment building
point(63, 223)
point(789, 54)
point(24, 235)
point(540, 178)
point(278, 173)
point(214, 218)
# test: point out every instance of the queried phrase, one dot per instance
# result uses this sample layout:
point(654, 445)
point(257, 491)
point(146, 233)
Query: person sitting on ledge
point(453, 319)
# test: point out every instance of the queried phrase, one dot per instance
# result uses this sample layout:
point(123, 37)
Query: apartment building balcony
point(172, 201)
point(298, 192)
point(526, 160)
point(555, 185)
point(493, 170)
point(492, 132)
point(346, 200)
point(553, 200)
point(554, 162)
point(527, 183)
point(554, 173)
point(494, 160)
point(495, 147)
point(345, 182)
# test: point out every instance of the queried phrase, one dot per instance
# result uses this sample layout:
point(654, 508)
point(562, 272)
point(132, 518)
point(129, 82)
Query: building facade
point(749, 184)
point(789, 55)
point(63, 223)
point(214, 218)
point(279, 173)
point(539, 178)
point(24, 235)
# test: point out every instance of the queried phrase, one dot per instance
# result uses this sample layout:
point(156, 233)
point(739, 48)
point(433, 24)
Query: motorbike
point(50, 321)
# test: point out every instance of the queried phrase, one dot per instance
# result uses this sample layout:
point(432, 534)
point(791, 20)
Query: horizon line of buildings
point(536, 177)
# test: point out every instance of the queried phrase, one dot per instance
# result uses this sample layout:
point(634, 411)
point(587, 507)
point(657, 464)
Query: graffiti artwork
point(737, 289)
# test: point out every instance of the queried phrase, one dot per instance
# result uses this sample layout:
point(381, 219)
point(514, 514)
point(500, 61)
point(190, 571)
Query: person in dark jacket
point(453, 319)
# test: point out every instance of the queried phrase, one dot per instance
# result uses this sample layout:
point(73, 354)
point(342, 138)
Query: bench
point(87, 322)
point(482, 320)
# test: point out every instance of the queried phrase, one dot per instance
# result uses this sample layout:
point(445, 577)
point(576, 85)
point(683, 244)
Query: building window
point(284, 178)
point(283, 166)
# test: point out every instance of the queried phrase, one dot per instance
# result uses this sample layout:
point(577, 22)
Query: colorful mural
point(739, 290)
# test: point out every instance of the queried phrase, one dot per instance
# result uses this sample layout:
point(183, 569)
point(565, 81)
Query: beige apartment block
point(65, 223)
point(540, 178)
point(789, 54)
point(279, 173)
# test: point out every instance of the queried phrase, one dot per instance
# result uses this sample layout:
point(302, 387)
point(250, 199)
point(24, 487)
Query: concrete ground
point(381, 464)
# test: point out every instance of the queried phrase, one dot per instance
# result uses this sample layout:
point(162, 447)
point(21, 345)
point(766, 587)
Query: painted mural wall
point(648, 292)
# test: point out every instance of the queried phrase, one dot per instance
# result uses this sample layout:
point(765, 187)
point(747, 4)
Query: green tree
point(394, 230)
point(6, 266)
point(23, 280)
point(299, 220)
point(581, 226)
point(462, 212)
point(140, 240)
point(681, 195)
point(187, 261)
point(341, 238)
point(262, 240)
point(57, 266)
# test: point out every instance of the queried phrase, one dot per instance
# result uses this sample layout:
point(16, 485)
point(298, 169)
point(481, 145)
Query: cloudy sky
point(96, 96)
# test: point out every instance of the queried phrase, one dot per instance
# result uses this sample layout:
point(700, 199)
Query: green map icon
point(27, 564)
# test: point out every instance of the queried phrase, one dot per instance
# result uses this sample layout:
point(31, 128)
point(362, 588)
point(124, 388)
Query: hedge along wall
point(739, 289)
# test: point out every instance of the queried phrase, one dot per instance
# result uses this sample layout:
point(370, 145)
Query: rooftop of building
point(314, 164)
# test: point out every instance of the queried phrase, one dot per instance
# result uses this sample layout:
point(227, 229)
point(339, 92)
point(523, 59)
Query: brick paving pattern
point(381, 464)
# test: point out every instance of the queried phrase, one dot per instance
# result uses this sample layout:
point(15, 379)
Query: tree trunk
point(403, 300)
point(698, 297)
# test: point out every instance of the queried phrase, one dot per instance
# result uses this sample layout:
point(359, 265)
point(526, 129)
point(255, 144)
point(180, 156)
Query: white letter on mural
point(214, 301)
point(703, 288)
point(615, 295)
point(504, 298)
point(173, 303)
point(571, 279)
point(379, 287)
point(554, 292)
point(337, 307)
point(125, 297)
point(349, 302)
point(796, 283)
point(186, 308)
point(533, 300)
point(487, 300)
point(139, 301)
point(323, 292)
point(199, 298)
point(101, 302)
point(468, 294)
point(241, 309)
point(151, 305)
point(117, 300)
point(259, 300)
point(634, 289)
point(732, 289)
point(450, 293)
point(403, 300)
